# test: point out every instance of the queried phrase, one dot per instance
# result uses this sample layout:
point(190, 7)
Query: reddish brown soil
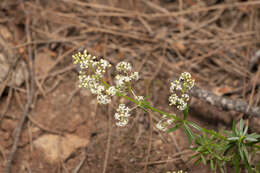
point(214, 40)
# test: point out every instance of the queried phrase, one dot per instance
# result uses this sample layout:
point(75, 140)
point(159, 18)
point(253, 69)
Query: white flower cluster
point(91, 76)
point(123, 80)
point(124, 67)
point(122, 115)
point(86, 61)
point(164, 123)
point(184, 84)
point(188, 82)
point(94, 81)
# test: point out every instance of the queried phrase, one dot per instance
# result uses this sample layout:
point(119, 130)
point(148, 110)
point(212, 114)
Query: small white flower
point(134, 75)
point(173, 99)
point(94, 64)
point(117, 116)
point(161, 126)
point(181, 104)
point(126, 79)
point(111, 91)
point(122, 115)
point(170, 121)
point(185, 76)
point(185, 97)
point(164, 123)
point(176, 85)
point(139, 98)
point(103, 99)
point(104, 64)
point(124, 110)
point(123, 122)
point(184, 83)
point(98, 72)
point(122, 81)
point(119, 80)
point(100, 89)
point(82, 80)
point(189, 84)
point(123, 67)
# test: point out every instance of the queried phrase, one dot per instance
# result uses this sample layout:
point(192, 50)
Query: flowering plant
point(237, 147)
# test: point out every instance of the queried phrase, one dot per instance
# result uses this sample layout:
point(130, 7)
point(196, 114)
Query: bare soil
point(65, 130)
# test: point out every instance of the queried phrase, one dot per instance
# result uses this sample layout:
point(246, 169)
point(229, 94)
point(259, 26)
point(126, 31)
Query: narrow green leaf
point(212, 137)
point(200, 149)
point(254, 135)
point(234, 131)
point(245, 152)
point(203, 159)
point(186, 112)
point(241, 152)
point(205, 137)
point(198, 140)
point(233, 138)
point(251, 139)
point(236, 160)
point(188, 133)
point(245, 130)
point(195, 126)
point(240, 127)
point(248, 166)
point(212, 166)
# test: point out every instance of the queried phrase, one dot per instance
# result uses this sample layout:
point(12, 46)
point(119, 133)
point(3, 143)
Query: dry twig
point(108, 141)
point(30, 94)
point(225, 103)
point(150, 143)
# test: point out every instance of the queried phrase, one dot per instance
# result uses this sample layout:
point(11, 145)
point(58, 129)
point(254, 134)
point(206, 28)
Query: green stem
point(175, 117)
point(147, 106)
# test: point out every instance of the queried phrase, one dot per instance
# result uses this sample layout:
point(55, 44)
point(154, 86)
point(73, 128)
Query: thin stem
point(171, 116)
point(147, 106)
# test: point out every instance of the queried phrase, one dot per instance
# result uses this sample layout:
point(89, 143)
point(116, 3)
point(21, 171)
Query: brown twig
point(30, 94)
point(149, 144)
point(108, 141)
point(42, 127)
point(77, 169)
point(225, 103)
point(169, 160)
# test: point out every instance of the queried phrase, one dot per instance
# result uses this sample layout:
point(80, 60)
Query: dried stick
point(77, 169)
point(108, 141)
point(30, 94)
point(42, 127)
point(149, 144)
point(225, 103)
